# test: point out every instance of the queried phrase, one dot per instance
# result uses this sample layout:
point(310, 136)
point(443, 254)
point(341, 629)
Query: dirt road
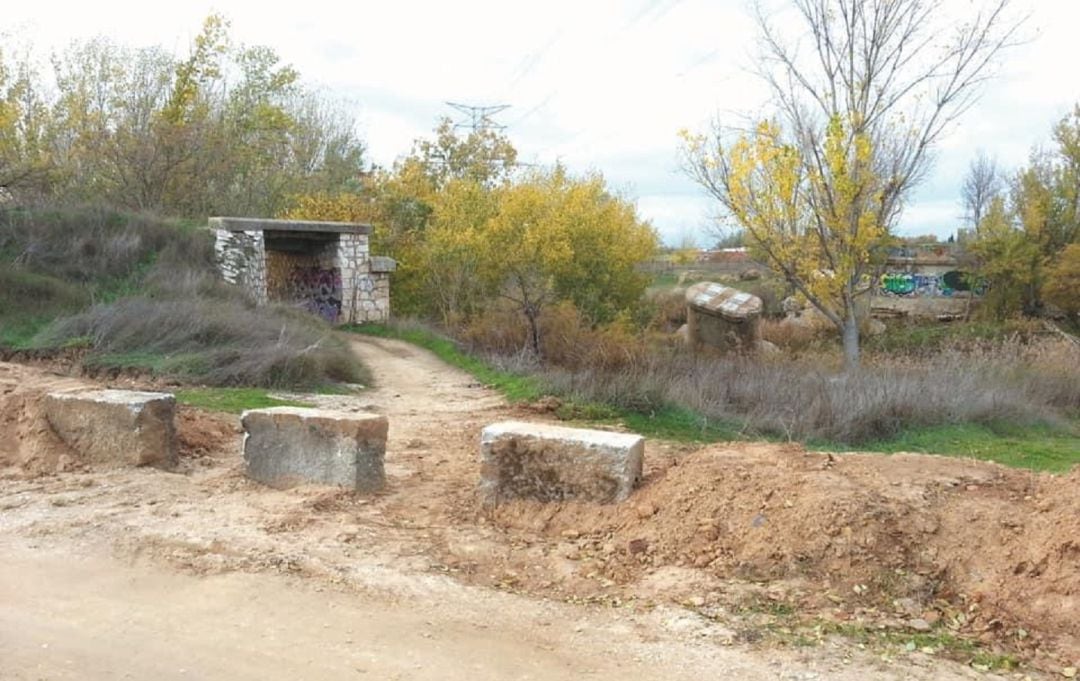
point(202, 574)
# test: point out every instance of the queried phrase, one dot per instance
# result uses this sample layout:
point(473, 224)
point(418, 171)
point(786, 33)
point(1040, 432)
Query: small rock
point(919, 624)
point(646, 511)
point(696, 601)
point(636, 546)
point(1069, 672)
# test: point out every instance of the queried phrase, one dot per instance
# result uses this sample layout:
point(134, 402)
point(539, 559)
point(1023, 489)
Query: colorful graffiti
point(318, 290)
point(925, 285)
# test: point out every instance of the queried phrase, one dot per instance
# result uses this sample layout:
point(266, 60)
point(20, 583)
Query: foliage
point(225, 129)
point(1008, 259)
point(551, 237)
point(1062, 286)
point(467, 232)
point(1024, 240)
point(484, 156)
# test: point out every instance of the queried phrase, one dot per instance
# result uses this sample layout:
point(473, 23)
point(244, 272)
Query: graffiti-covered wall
point(324, 268)
point(917, 284)
point(311, 281)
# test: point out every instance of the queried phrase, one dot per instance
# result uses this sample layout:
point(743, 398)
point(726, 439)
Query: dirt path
point(204, 574)
point(68, 617)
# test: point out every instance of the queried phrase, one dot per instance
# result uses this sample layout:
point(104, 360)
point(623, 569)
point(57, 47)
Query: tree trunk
point(534, 330)
point(850, 335)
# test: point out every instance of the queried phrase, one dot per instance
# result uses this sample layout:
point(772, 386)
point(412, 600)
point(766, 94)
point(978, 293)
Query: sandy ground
point(204, 574)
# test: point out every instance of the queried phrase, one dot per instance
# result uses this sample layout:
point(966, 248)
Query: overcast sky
point(601, 85)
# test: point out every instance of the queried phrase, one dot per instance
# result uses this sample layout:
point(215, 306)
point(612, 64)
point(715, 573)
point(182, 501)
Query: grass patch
point(936, 642)
point(232, 400)
point(29, 301)
point(917, 337)
point(1038, 447)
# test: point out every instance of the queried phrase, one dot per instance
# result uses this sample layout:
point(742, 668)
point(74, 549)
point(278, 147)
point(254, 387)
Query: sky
point(599, 85)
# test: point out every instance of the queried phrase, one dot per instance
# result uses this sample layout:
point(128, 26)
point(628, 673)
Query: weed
point(232, 400)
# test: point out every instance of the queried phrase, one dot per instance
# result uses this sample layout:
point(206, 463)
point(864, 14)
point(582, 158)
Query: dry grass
point(161, 304)
point(221, 342)
point(810, 399)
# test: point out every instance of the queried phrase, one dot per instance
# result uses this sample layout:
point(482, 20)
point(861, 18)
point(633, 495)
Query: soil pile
point(942, 535)
point(28, 446)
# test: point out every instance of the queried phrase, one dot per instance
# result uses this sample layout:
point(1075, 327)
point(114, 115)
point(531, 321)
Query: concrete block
point(289, 446)
point(116, 427)
point(554, 463)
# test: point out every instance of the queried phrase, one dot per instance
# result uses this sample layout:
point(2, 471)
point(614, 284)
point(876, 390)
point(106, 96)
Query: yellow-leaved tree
point(555, 237)
point(820, 221)
point(819, 193)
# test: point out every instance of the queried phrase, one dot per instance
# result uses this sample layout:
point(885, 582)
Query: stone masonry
point(115, 428)
point(554, 463)
point(289, 446)
point(325, 267)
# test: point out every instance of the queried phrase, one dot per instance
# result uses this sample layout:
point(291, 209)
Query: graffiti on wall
point(318, 290)
point(926, 285)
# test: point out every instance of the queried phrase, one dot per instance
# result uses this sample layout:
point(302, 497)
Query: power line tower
point(478, 118)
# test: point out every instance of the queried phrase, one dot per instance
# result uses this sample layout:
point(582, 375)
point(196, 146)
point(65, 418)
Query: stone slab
point(381, 264)
point(723, 301)
point(556, 463)
point(289, 446)
point(267, 225)
point(116, 428)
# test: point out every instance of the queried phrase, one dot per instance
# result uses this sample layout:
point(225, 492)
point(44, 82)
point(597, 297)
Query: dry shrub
point(90, 244)
point(811, 399)
point(214, 341)
point(790, 336)
point(566, 338)
point(668, 309)
point(500, 330)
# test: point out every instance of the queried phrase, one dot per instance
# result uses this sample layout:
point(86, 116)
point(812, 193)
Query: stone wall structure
point(324, 267)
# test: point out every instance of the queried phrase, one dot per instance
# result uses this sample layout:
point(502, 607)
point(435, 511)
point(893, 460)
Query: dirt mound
point(28, 446)
point(999, 545)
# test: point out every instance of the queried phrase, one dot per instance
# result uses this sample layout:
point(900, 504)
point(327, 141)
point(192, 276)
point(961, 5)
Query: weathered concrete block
point(116, 427)
point(552, 463)
point(722, 317)
point(289, 446)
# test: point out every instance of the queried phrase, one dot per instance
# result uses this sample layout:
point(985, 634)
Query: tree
point(222, 129)
point(982, 184)
point(560, 238)
point(485, 155)
point(819, 189)
point(25, 161)
point(1007, 260)
point(1063, 282)
point(1043, 218)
